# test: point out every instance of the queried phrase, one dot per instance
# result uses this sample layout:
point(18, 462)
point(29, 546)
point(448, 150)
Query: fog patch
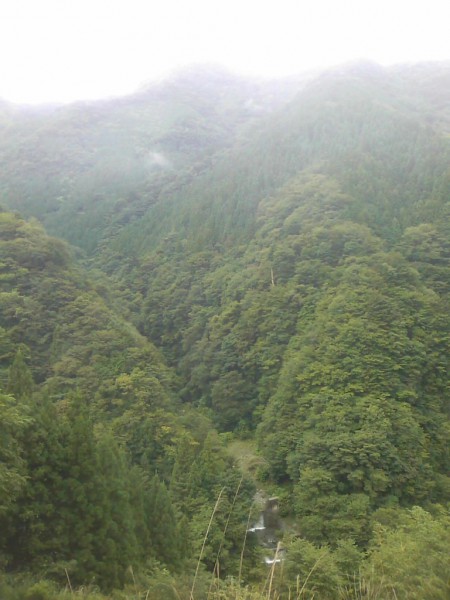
point(254, 107)
point(157, 159)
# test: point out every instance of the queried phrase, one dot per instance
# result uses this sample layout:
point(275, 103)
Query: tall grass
point(161, 585)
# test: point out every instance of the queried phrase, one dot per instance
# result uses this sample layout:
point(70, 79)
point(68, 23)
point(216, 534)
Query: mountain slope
point(100, 165)
point(278, 266)
point(53, 311)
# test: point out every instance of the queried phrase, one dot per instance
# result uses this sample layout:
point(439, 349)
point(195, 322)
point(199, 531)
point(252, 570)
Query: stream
point(267, 528)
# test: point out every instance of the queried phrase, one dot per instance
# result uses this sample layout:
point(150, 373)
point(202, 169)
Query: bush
point(40, 591)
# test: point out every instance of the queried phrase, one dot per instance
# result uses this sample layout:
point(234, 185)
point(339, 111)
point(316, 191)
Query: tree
point(411, 557)
point(20, 380)
point(162, 524)
point(13, 420)
point(311, 569)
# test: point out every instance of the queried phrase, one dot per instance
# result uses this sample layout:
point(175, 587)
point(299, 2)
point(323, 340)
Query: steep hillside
point(268, 258)
point(93, 430)
point(351, 167)
point(302, 283)
point(359, 125)
point(60, 318)
point(87, 170)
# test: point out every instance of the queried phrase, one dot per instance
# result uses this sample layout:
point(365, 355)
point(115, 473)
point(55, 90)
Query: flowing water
point(268, 529)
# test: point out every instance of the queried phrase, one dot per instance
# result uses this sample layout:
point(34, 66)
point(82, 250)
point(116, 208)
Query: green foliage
point(411, 557)
point(205, 484)
point(162, 525)
point(20, 380)
point(311, 571)
point(81, 510)
point(40, 591)
point(13, 420)
point(350, 422)
point(281, 274)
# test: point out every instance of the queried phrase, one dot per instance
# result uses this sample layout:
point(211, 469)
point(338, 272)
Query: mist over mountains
point(216, 264)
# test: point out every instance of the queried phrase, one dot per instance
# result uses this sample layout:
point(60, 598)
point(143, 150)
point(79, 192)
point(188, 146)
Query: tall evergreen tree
point(20, 379)
point(13, 420)
point(115, 543)
point(162, 524)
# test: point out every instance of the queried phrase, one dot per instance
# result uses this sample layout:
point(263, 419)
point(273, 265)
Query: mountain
point(267, 258)
point(101, 164)
point(64, 320)
point(91, 423)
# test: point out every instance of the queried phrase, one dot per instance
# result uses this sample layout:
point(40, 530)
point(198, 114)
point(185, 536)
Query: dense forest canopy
point(218, 291)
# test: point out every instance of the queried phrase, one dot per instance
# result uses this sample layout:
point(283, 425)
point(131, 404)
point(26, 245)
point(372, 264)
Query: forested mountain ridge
point(275, 263)
point(350, 124)
point(55, 312)
point(93, 431)
point(102, 164)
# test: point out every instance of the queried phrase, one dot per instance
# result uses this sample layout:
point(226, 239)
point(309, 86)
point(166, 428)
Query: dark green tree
point(20, 379)
point(13, 420)
point(162, 524)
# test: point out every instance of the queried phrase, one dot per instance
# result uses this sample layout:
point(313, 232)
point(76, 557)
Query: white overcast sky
point(63, 50)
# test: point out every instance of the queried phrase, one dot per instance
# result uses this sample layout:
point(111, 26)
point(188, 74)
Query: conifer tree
point(20, 380)
point(12, 422)
point(115, 543)
point(162, 524)
point(184, 481)
point(84, 500)
point(36, 534)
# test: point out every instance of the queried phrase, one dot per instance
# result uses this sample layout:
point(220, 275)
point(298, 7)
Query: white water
point(259, 525)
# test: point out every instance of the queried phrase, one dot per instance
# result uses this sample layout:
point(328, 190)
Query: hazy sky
point(62, 50)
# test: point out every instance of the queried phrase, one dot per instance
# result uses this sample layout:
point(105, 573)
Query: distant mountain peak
point(360, 67)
